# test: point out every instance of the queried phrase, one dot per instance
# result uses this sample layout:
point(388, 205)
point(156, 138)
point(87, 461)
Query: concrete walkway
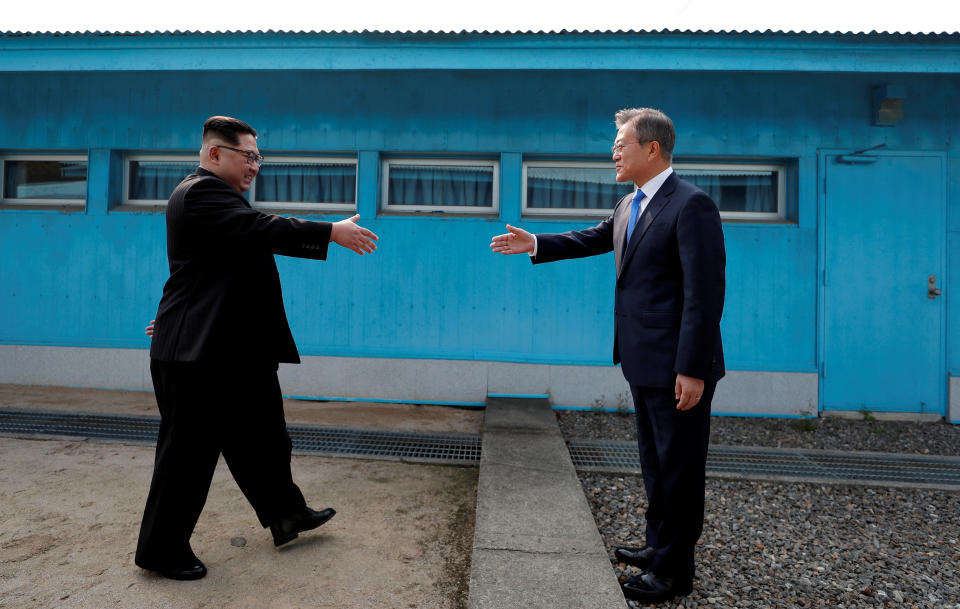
point(535, 543)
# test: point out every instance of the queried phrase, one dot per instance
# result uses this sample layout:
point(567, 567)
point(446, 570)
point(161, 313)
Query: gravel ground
point(791, 545)
point(827, 433)
point(771, 545)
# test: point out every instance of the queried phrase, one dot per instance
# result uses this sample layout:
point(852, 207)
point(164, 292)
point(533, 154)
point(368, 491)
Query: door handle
point(932, 290)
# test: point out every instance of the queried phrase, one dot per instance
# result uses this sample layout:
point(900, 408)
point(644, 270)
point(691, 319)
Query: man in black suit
point(669, 254)
point(219, 336)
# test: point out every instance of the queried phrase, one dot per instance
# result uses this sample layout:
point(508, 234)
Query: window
point(441, 185)
point(564, 188)
point(310, 183)
point(585, 188)
point(43, 179)
point(750, 192)
point(306, 182)
point(150, 179)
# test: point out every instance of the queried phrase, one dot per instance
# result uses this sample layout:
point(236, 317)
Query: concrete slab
point(511, 580)
point(535, 541)
point(516, 415)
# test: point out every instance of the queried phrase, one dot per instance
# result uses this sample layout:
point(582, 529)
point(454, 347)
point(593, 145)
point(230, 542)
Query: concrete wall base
point(953, 412)
point(427, 380)
point(856, 415)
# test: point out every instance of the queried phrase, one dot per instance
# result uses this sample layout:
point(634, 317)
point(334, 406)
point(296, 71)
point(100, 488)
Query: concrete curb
point(535, 543)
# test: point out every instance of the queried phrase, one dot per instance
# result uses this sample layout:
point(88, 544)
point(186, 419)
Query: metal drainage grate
point(797, 464)
point(307, 439)
point(407, 446)
point(107, 427)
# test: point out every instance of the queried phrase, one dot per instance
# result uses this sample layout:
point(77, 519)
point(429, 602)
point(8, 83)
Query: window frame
point(273, 206)
point(564, 212)
point(391, 208)
point(79, 203)
point(161, 158)
point(779, 169)
point(761, 216)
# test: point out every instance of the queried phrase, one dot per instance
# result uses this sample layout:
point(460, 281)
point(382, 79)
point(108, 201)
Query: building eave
point(565, 50)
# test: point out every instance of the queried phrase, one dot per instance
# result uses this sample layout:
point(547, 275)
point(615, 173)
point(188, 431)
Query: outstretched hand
point(517, 241)
point(347, 233)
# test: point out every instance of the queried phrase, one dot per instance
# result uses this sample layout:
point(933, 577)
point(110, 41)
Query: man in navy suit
point(669, 254)
point(219, 335)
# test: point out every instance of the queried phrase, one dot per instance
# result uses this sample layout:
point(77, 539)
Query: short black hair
point(228, 128)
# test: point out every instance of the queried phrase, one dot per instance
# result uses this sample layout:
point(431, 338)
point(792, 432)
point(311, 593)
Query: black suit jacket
point(222, 301)
point(670, 283)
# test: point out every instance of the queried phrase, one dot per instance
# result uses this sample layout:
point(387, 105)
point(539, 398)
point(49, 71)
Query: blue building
point(834, 159)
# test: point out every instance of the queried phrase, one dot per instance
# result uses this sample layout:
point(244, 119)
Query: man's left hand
point(688, 390)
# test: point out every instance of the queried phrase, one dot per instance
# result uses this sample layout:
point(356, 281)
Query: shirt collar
point(651, 187)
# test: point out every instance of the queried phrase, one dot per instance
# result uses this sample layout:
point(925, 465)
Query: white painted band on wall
point(429, 380)
point(954, 411)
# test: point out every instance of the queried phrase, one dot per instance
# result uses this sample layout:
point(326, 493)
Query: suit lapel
point(649, 215)
point(621, 215)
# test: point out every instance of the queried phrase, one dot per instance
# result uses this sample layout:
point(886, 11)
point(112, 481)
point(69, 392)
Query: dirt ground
point(404, 417)
point(70, 513)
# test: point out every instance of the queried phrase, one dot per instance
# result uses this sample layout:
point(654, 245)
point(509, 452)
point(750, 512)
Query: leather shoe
point(638, 557)
point(193, 570)
point(652, 588)
point(287, 529)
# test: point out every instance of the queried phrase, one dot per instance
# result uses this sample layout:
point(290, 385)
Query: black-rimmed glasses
point(252, 157)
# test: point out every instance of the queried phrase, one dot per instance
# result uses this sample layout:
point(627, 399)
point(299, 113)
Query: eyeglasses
point(252, 157)
point(618, 148)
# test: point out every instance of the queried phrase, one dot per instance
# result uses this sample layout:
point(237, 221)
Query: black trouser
point(207, 409)
point(673, 454)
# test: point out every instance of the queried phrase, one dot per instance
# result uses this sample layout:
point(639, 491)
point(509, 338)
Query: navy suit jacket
point(670, 283)
point(222, 301)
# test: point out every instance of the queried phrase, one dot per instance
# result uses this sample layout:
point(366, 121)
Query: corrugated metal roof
point(478, 32)
point(495, 17)
point(273, 50)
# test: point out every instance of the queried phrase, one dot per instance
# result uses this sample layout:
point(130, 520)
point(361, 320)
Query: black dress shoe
point(192, 570)
point(287, 529)
point(651, 588)
point(638, 557)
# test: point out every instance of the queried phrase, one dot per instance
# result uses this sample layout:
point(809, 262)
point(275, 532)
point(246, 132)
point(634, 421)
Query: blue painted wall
point(94, 277)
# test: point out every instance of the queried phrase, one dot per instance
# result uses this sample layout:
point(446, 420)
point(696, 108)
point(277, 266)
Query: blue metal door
point(882, 334)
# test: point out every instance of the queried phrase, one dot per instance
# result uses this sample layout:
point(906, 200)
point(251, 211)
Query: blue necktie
point(634, 212)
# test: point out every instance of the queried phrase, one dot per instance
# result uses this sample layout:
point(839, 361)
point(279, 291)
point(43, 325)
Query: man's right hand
point(517, 241)
point(349, 234)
